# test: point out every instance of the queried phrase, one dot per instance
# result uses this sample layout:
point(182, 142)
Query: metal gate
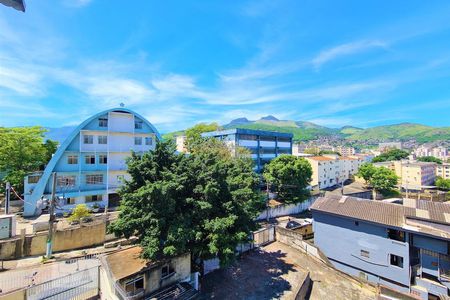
point(80, 285)
point(263, 236)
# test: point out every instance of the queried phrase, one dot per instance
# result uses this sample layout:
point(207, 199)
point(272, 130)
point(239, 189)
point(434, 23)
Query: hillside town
point(221, 150)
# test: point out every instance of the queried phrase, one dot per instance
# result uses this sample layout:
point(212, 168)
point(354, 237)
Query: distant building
point(345, 151)
point(413, 175)
point(440, 152)
point(263, 145)
point(384, 147)
point(330, 170)
point(125, 275)
point(443, 170)
point(181, 143)
point(91, 163)
point(405, 247)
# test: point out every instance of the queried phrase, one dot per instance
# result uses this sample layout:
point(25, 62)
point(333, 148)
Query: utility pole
point(268, 199)
point(7, 197)
point(51, 219)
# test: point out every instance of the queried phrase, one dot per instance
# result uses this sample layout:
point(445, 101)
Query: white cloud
point(344, 50)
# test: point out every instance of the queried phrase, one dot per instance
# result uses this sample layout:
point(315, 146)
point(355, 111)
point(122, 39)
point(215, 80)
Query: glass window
point(396, 261)
point(70, 200)
point(65, 180)
point(365, 253)
point(93, 198)
point(102, 139)
point(103, 122)
point(267, 138)
point(102, 159)
point(397, 235)
point(138, 124)
point(72, 159)
point(284, 139)
point(94, 179)
point(134, 285)
point(33, 178)
point(250, 137)
point(89, 159)
point(148, 141)
point(88, 139)
point(166, 271)
point(138, 140)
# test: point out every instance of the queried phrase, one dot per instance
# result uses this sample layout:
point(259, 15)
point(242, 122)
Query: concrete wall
point(343, 240)
point(17, 295)
point(85, 236)
point(286, 209)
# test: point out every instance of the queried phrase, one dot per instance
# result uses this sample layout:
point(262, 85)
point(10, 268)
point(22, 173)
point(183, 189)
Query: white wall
point(121, 122)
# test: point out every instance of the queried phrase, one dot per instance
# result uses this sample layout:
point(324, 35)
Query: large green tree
point(430, 159)
point(383, 180)
point(194, 134)
point(394, 154)
point(443, 184)
point(366, 171)
point(289, 176)
point(203, 203)
point(22, 151)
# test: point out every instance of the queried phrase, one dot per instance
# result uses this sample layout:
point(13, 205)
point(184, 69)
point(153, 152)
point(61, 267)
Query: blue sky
point(335, 63)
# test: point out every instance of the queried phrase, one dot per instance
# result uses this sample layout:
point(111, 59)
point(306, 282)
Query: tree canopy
point(366, 171)
point(443, 184)
point(22, 151)
point(203, 203)
point(430, 159)
point(394, 154)
point(289, 176)
point(193, 134)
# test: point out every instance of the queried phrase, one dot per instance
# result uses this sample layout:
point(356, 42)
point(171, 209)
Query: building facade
point(345, 151)
point(413, 175)
point(401, 246)
point(180, 142)
point(443, 170)
point(263, 145)
point(384, 147)
point(91, 163)
point(440, 152)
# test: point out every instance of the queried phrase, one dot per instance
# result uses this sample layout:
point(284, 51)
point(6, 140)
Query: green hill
point(305, 131)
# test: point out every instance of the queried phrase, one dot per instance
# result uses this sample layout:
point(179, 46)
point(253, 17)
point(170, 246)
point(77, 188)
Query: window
point(167, 271)
point(65, 180)
point(103, 122)
point(137, 140)
point(89, 159)
point(148, 141)
point(93, 198)
point(365, 253)
point(396, 261)
point(33, 178)
point(134, 285)
point(356, 223)
point(94, 179)
point(267, 138)
point(103, 159)
point(72, 159)
point(284, 139)
point(249, 137)
point(138, 124)
point(397, 235)
point(88, 139)
point(102, 139)
point(70, 200)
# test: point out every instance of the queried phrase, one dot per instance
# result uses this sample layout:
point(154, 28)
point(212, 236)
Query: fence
point(285, 209)
point(80, 285)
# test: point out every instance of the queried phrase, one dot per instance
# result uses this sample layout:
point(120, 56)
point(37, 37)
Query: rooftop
point(319, 158)
point(127, 262)
point(247, 131)
point(432, 218)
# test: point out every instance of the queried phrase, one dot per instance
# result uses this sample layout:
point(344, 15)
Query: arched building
point(90, 163)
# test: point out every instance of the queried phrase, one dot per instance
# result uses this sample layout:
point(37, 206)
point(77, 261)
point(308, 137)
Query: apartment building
point(440, 152)
point(329, 170)
point(443, 170)
point(345, 151)
point(402, 246)
point(383, 147)
point(263, 145)
point(181, 143)
point(413, 175)
point(91, 163)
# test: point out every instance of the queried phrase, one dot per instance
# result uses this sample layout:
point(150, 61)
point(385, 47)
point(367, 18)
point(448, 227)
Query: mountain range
point(305, 131)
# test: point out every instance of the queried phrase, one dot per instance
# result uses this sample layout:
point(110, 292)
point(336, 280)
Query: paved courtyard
point(275, 272)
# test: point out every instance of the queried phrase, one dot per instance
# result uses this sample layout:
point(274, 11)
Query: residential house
point(125, 275)
point(402, 246)
point(263, 145)
point(91, 163)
